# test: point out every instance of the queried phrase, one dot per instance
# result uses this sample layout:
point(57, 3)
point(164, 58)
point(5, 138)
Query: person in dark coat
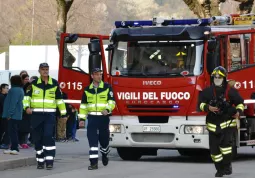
point(4, 138)
point(71, 121)
point(12, 111)
point(27, 87)
point(24, 125)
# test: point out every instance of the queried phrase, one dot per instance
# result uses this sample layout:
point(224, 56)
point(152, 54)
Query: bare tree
point(245, 6)
point(15, 30)
point(95, 16)
point(208, 8)
point(63, 7)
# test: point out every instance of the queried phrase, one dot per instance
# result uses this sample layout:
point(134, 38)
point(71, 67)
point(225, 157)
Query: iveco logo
point(151, 82)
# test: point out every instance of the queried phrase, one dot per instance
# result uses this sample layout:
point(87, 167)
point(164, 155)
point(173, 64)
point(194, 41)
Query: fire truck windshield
point(159, 58)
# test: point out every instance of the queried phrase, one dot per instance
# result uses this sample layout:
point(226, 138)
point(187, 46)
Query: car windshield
point(157, 58)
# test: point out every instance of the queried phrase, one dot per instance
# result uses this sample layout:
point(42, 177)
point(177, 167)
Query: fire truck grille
point(152, 108)
point(153, 119)
point(154, 138)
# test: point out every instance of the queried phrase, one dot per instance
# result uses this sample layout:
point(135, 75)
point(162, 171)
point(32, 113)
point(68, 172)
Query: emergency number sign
point(153, 95)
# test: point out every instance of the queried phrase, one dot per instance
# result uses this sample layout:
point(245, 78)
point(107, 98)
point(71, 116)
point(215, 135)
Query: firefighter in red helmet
point(223, 105)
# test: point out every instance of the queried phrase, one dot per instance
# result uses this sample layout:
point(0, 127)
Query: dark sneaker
point(105, 160)
point(40, 166)
point(49, 166)
point(219, 174)
point(93, 167)
point(76, 140)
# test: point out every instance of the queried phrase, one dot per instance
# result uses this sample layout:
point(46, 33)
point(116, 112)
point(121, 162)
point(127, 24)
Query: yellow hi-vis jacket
point(44, 98)
point(95, 100)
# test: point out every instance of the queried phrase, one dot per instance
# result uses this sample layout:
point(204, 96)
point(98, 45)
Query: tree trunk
point(204, 8)
point(208, 8)
point(63, 9)
point(215, 7)
point(195, 7)
point(245, 6)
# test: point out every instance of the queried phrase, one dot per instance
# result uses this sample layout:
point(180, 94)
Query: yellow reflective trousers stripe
point(225, 151)
point(223, 125)
point(217, 158)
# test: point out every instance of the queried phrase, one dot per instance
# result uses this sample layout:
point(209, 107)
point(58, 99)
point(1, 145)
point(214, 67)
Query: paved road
point(72, 161)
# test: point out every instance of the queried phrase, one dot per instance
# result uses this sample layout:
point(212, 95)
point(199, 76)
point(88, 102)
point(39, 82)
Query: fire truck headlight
point(194, 129)
point(115, 128)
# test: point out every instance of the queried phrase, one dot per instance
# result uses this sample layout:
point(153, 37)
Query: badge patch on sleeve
point(111, 93)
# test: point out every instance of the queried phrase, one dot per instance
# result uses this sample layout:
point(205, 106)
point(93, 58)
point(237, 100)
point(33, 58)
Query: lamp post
point(32, 24)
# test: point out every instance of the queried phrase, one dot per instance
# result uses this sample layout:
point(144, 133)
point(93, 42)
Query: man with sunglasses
point(223, 105)
point(41, 101)
point(96, 105)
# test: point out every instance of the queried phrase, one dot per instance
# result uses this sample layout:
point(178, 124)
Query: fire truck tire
point(194, 152)
point(129, 154)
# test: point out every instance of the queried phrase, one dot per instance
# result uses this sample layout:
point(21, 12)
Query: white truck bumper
point(171, 134)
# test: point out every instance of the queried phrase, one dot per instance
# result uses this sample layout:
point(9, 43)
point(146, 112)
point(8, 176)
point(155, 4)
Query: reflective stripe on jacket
point(44, 97)
point(95, 100)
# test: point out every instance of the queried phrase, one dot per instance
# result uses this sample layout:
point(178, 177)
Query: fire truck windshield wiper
point(137, 74)
point(169, 74)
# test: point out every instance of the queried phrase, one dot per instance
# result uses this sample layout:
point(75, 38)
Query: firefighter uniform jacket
point(95, 100)
point(44, 97)
point(214, 121)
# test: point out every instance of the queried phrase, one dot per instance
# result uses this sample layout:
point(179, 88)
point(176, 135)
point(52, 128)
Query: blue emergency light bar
point(120, 24)
point(202, 22)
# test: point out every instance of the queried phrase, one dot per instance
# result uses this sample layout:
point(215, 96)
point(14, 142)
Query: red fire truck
point(157, 69)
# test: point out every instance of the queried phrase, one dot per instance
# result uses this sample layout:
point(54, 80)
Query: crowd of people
point(20, 126)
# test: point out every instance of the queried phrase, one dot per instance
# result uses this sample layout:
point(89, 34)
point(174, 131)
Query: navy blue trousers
point(13, 133)
point(4, 133)
point(98, 130)
point(42, 131)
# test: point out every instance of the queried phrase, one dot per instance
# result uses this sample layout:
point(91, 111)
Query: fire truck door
point(236, 51)
point(79, 54)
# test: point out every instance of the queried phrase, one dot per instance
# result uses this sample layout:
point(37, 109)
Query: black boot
point(228, 169)
point(220, 170)
point(40, 166)
point(93, 167)
point(105, 160)
point(49, 166)
point(219, 174)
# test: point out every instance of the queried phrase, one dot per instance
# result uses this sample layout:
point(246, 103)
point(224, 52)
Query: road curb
point(16, 163)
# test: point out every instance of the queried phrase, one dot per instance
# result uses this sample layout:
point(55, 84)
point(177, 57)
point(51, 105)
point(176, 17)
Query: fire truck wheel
point(129, 154)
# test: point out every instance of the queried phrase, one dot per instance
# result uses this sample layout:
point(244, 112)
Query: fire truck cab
point(157, 69)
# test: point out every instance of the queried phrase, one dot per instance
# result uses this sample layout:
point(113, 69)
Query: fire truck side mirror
point(71, 38)
point(211, 45)
point(95, 57)
point(210, 62)
point(110, 47)
point(94, 46)
point(211, 54)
